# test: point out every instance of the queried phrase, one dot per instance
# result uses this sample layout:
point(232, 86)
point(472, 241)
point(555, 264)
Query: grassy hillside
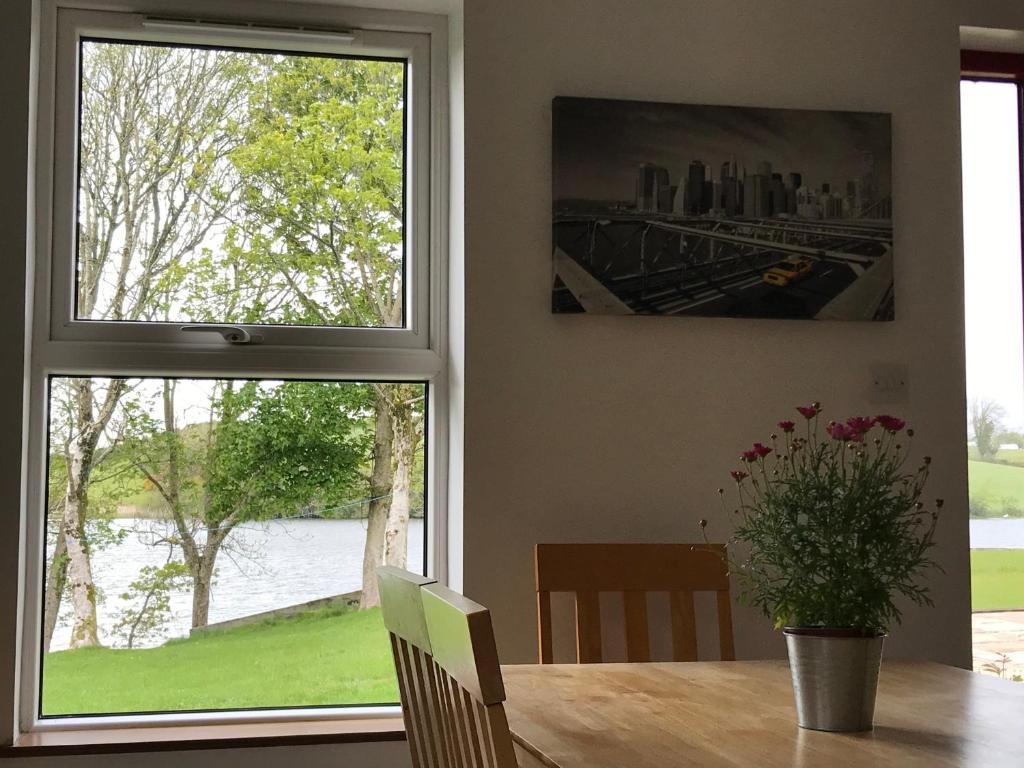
point(997, 579)
point(317, 658)
point(996, 489)
point(1015, 458)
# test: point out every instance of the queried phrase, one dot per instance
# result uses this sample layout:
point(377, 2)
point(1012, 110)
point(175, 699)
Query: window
point(991, 109)
point(238, 363)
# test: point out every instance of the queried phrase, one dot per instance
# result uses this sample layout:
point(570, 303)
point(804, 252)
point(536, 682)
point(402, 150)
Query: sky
point(992, 247)
point(598, 143)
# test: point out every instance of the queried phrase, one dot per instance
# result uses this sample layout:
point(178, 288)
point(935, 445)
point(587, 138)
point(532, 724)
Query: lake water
point(269, 565)
point(998, 533)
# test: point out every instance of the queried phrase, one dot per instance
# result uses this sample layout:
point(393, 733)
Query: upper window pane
point(240, 186)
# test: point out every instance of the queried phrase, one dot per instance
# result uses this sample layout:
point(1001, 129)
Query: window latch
point(232, 334)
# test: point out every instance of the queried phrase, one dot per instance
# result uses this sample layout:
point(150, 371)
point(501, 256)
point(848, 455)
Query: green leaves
point(284, 446)
point(834, 531)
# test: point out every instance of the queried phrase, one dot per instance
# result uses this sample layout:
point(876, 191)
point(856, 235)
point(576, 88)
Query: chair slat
point(638, 643)
point(403, 692)
point(446, 745)
point(455, 723)
point(684, 626)
point(544, 643)
point(427, 717)
point(726, 644)
point(588, 627)
point(490, 759)
point(477, 729)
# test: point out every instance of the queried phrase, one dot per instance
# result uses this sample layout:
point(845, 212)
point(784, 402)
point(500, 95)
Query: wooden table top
point(741, 714)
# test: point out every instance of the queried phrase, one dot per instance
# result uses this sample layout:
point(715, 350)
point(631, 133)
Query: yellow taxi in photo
point(789, 271)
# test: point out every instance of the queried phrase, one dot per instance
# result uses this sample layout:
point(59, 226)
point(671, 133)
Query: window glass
point(990, 134)
point(239, 186)
point(208, 541)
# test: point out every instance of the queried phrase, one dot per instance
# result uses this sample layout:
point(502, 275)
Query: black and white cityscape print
point(684, 209)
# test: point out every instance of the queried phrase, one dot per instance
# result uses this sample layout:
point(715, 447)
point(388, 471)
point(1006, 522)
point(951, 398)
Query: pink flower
point(738, 475)
point(842, 432)
point(749, 456)
point(860, 424)
point(808, 411)
point(761, 450)
point(787, 426)
point(891, 423)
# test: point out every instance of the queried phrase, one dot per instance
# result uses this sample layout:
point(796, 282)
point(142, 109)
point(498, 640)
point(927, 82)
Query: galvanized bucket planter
point(835, 676)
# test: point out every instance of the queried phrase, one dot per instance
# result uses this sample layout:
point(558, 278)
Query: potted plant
point(833, 530)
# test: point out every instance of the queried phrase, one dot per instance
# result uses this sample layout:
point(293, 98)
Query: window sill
point(190, 737)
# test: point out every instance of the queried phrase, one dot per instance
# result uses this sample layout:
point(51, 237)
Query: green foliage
point(317, 658)
point(986, 422)
point(321, 174)
point(833, 526)
point(149, 598)
point(281, 448)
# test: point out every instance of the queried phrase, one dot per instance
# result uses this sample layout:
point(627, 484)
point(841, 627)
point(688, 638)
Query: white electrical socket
point(890, 383)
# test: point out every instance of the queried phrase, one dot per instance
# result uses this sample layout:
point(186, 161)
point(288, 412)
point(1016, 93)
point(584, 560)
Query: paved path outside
point(999, 643)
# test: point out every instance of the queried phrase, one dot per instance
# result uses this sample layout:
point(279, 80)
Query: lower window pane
point(211, 543)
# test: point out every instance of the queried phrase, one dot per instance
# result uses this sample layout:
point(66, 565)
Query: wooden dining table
point(741, 713)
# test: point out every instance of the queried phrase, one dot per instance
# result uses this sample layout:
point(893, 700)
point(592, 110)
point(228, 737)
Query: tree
point(151, 594)
point(986, 423)
point(270, 450)
point(321, 168)
point(152, 143)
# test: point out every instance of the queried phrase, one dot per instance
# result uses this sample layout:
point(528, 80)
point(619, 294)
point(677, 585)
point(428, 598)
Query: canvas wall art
point(684, 209)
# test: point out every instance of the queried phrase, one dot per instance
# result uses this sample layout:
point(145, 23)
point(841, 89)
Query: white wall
point(620, 429)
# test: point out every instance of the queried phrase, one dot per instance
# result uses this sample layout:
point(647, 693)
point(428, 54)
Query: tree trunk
point(381, 480)
point(80, 454)
point(56, 576)
point(202, 582)
point(396, 538)
point(84, 633)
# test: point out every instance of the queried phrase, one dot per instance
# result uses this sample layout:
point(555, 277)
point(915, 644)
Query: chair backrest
point(466, 665)
point(451, 702)
point(402, 607)
point(633, 569)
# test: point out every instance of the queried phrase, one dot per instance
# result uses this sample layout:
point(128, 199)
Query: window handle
point(232, 334)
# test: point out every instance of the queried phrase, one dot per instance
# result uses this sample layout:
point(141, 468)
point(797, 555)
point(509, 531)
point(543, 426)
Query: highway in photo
point(675, 265)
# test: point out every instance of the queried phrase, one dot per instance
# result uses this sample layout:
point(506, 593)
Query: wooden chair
point(402, 608)
point(633, 569)
point(449, 679)
point(466, 664)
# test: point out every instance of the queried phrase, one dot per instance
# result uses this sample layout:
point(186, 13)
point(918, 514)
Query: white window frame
point(61, 345)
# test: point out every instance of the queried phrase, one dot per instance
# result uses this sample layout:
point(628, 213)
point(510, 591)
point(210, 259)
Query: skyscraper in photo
point(695, 188)
point(756, 196)
point(653, 191)
point(731, 202)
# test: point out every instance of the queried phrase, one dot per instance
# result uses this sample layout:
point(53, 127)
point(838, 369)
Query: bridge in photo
point(665, 264)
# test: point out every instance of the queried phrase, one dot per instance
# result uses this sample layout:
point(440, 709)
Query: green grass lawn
point(318, 658)
point(997, 579)
point(998, 487)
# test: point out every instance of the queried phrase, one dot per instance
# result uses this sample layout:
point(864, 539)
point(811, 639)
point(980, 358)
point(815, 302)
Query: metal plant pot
point(835, 677)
